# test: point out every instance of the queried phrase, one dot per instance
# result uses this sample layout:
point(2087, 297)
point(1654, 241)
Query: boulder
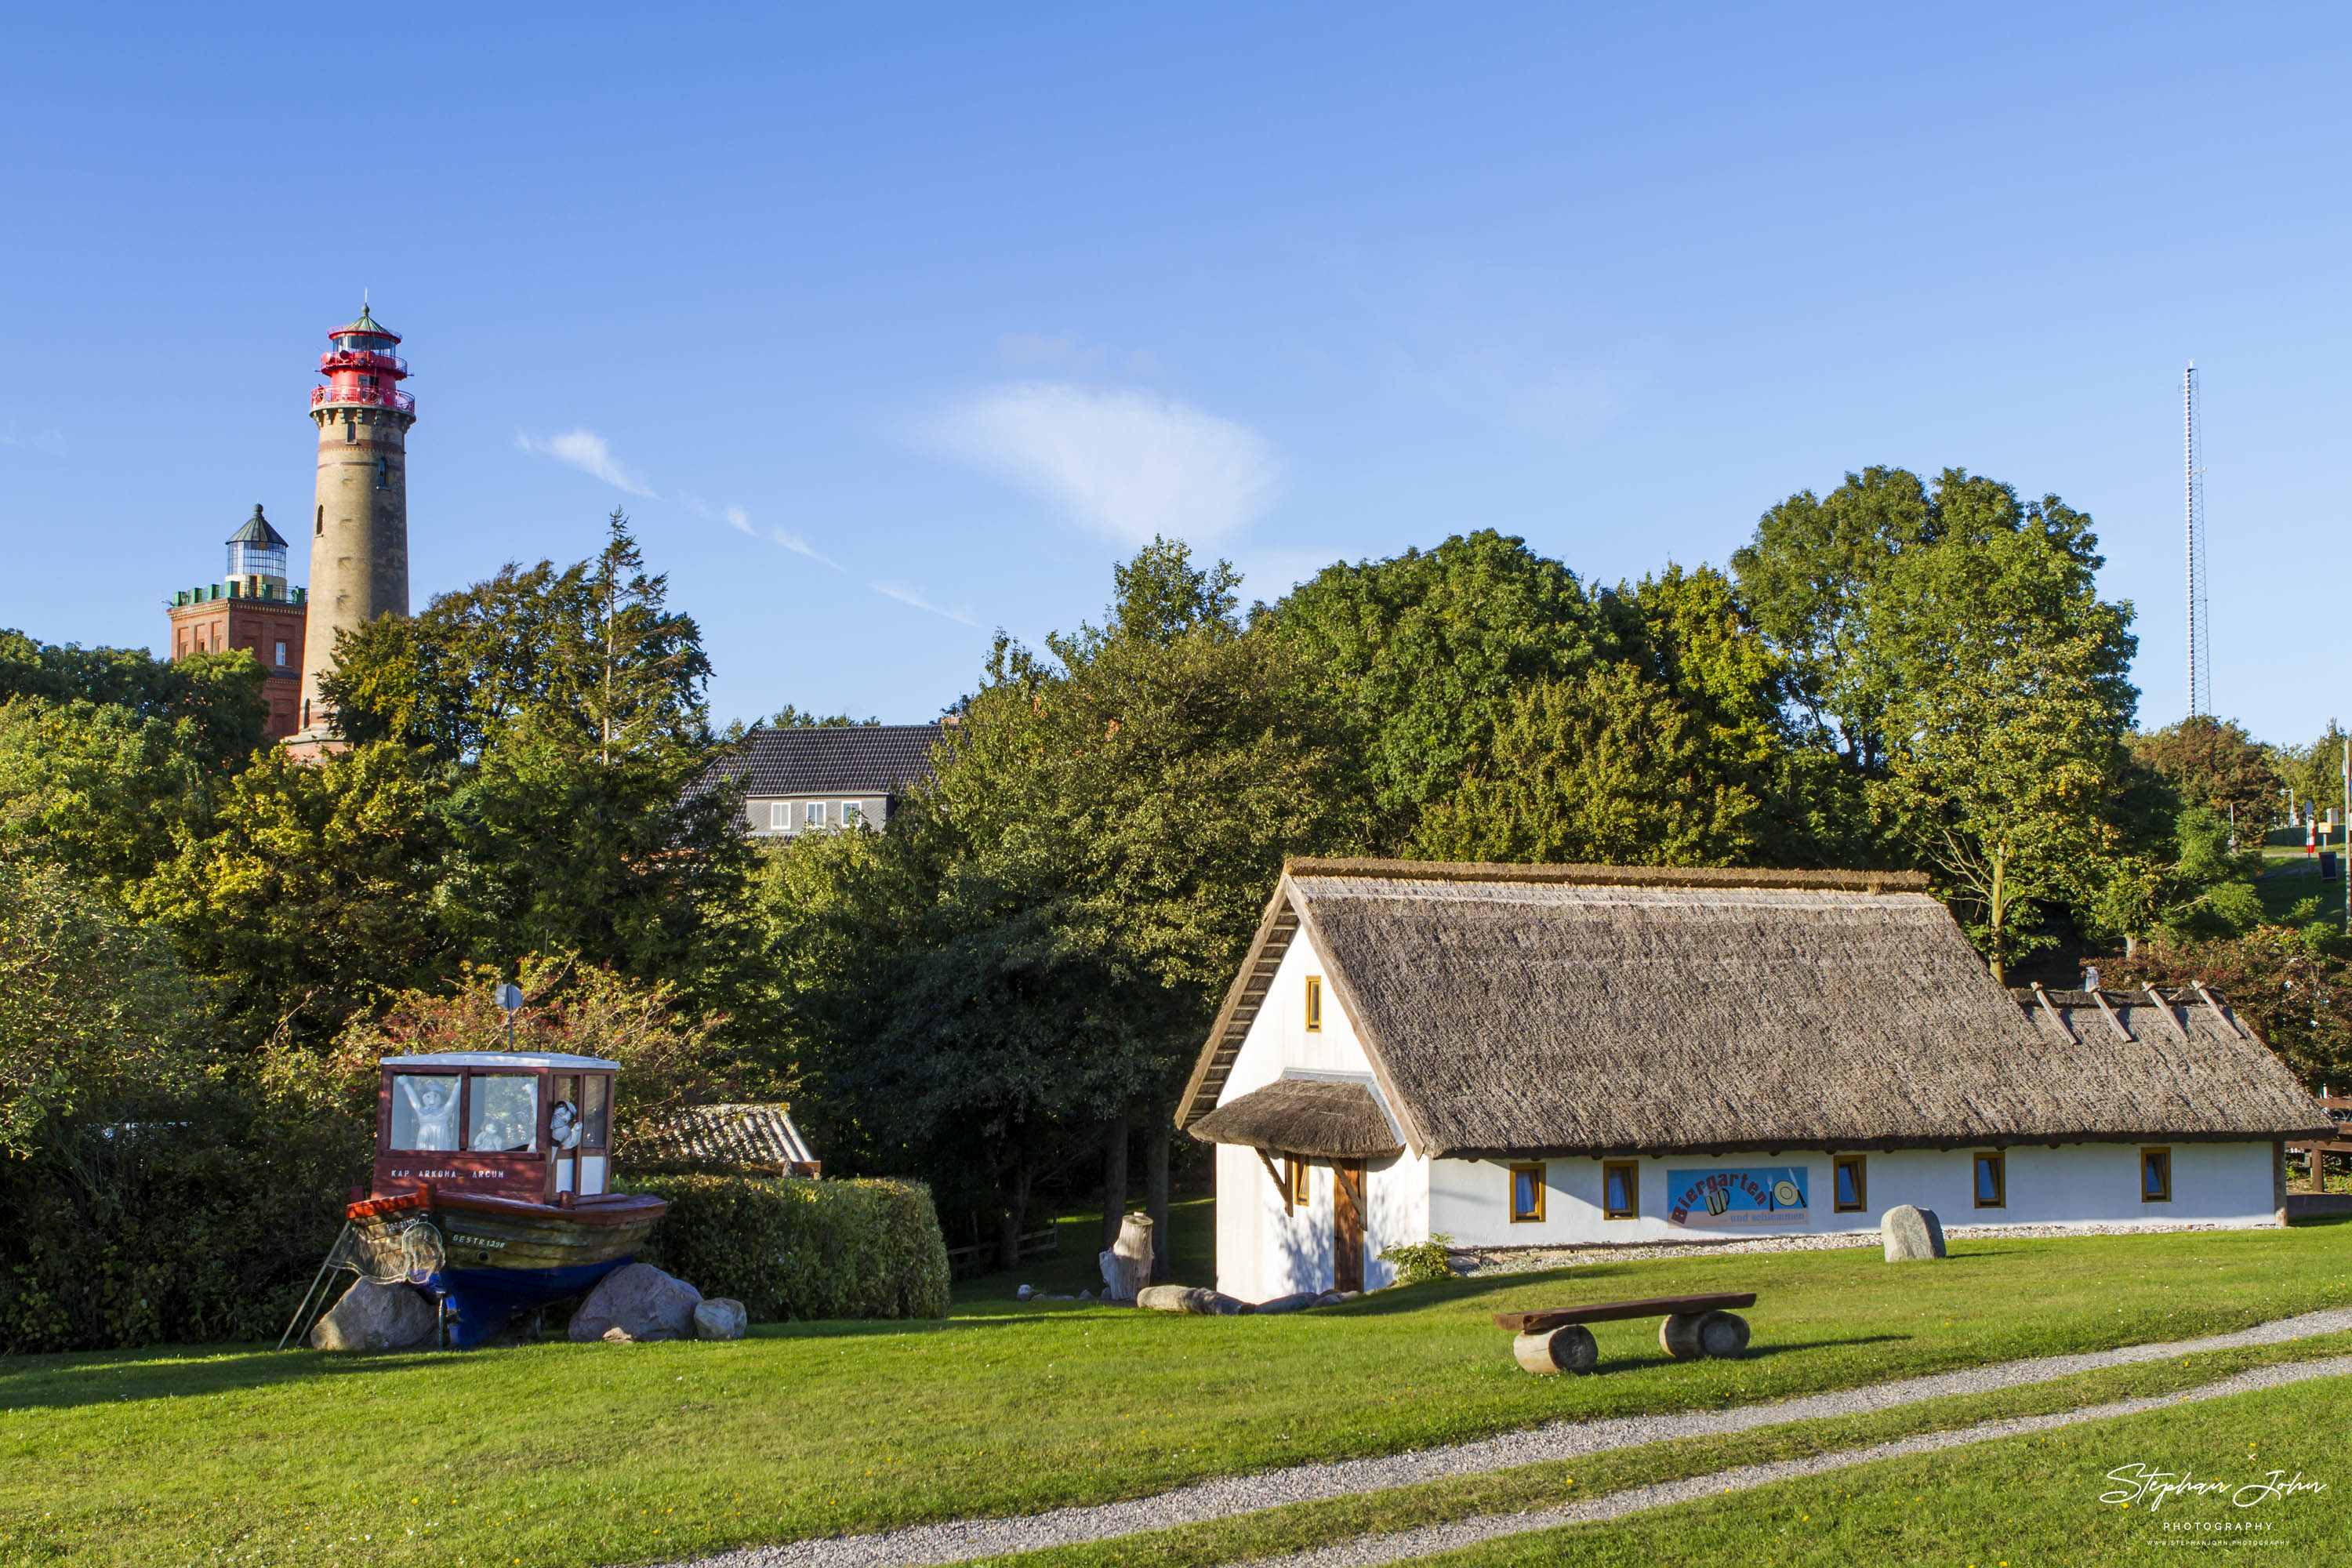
point(1910, 1233)
point(720, 1318)
point(373, 1317)
point(1297, 1303)
point(1187, 1300)
point(640, 1302)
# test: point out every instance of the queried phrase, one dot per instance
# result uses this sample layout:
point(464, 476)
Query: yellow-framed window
point(1300, 1196)
point(1991, 1184)
point(1851, 1181)
point(1314, 1004)
point(1620, 1189)
point(2155, 1176)
point(1527, 1195)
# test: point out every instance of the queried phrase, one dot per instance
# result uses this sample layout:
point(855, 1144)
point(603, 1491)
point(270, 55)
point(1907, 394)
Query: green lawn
point(1300, 1527)
point(2289, 877)
point(563, 1454)
point(2020, 1502)
point(1076, 1266)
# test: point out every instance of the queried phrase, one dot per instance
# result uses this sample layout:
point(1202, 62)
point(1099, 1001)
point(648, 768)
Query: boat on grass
point(505, 1155)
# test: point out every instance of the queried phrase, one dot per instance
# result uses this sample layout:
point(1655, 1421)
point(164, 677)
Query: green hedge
point(186, 1233)
point(794, 1249)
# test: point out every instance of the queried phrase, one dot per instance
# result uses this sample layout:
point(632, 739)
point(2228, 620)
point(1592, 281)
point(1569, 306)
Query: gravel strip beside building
point(1405, 1546)
point(1481, 1261)
point(961, 1540)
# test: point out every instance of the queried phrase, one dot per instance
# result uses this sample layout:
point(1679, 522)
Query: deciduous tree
point(1423, 653)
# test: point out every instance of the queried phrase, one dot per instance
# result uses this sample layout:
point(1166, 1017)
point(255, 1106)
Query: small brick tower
point(359, 537)
point(252, 609)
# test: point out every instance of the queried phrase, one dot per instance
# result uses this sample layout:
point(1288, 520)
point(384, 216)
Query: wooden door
point(1347, 1224)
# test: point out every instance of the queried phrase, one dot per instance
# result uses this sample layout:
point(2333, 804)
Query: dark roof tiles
point(876, 759)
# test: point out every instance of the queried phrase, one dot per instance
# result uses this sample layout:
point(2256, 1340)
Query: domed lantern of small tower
point(359, 528)
point(257, 558)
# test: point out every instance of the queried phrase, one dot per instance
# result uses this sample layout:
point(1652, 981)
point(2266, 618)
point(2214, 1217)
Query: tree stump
point(1570, 1350)
point(1678, 1336)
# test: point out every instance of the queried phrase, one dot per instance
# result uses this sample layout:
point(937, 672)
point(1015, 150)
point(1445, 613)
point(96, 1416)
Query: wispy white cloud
point(1131, 463)
point(48, 443)
point(906, 596)
point(588, 452)
point(799, 546)
point(740, 519)
point(1037, 354)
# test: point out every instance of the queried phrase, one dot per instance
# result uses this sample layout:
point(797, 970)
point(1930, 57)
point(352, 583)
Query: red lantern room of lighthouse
point(362, 368)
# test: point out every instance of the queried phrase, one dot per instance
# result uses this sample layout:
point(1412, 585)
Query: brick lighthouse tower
point(359, 532)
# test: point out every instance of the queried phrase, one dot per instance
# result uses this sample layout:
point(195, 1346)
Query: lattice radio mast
point(2200, 630)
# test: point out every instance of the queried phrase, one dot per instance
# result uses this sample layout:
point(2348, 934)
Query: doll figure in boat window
point(506, 1113)
point(425, 1111)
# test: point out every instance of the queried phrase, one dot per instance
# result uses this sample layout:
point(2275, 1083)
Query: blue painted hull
point(500, 1256)
point(484, 1300)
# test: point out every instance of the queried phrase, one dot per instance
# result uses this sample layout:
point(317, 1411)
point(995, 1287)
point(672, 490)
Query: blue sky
point(892, 326)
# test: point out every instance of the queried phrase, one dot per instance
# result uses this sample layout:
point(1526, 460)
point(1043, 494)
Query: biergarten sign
point(1761, 1196)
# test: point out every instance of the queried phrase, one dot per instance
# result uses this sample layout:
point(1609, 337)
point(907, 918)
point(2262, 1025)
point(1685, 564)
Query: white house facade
point(826, 778)
point(1554, 1055)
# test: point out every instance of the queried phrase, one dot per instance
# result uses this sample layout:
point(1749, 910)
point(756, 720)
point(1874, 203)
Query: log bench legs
point(1570, 1349)
point(1688, 1336)
point(1685, 1336)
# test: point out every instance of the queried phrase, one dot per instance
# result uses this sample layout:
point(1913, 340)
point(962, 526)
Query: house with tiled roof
point(822, 778)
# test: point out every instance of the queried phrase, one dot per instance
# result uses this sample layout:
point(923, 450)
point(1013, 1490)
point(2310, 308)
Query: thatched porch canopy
point(1514, 1010)
point(1305, 1116)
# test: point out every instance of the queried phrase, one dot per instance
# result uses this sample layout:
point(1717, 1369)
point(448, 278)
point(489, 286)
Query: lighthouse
point(359, 527)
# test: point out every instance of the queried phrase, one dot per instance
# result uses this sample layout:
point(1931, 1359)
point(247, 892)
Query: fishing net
point(402, 1252)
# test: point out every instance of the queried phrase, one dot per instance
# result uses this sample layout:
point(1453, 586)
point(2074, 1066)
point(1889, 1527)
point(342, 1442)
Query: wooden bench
point(1694, 1326)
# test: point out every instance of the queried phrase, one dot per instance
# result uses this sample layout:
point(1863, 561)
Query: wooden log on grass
point(1570, 1349)
point(1690, 1336)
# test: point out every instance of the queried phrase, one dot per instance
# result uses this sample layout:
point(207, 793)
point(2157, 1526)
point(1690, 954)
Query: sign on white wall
point(1764, 1196)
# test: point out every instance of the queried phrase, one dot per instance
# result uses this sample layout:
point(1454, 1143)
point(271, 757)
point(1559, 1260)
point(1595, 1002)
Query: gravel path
point(1481, 1261)
point(960, 1541)
point(1368, 1549)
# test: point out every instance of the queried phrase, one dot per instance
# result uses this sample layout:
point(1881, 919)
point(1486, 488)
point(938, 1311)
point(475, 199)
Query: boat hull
point(502, 1256)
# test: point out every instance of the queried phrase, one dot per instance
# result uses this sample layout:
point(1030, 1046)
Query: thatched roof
point(1338, 1120)
point(1516, 1009)
point(760, 1136)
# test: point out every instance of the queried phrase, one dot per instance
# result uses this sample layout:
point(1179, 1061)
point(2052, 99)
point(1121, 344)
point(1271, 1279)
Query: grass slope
point(1301, 1527)
point(2022, 1501)
point(563, 1454)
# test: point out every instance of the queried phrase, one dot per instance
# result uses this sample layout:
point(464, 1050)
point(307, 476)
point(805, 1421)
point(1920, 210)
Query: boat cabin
point(531, 1125)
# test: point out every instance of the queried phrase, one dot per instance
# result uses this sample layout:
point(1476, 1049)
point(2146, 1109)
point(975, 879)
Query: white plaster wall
point(1334, 1047)
point(1240, 1221)
point(1264, 1248)
point(2074, 1184)
point(1396, 1201)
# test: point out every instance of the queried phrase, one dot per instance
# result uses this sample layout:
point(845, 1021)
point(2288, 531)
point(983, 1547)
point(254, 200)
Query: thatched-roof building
point(1537, 1055)
point(746, 1139)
